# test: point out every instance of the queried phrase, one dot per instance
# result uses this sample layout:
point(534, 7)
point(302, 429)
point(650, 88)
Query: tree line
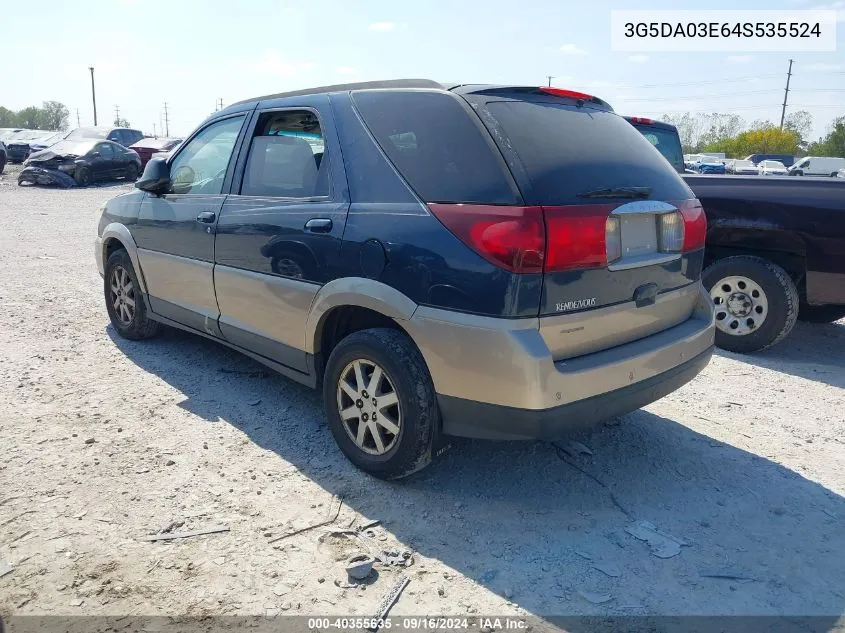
point(52, 115)
point(731, 134)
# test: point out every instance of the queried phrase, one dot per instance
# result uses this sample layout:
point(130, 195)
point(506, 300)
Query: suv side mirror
point(156, 176)
point(95, 155)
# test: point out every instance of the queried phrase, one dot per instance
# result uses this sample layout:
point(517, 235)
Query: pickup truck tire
point(351, 389)
point(821, 314)
point(756, 302)
point(124, 300)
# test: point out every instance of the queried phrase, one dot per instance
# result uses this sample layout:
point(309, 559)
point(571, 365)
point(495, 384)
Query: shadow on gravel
point(531, 523)
point(812, 351)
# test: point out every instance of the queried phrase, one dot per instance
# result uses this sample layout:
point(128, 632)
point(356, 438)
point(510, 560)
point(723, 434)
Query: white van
point(817, 166)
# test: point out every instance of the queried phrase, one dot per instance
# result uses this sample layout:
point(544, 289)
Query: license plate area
point(639, 234)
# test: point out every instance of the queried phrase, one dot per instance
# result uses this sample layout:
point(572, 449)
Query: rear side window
point(566, 151)
point(437, 147)
point(286, 157)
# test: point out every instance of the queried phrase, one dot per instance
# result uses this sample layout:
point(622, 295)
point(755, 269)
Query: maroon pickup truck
point(775, 249)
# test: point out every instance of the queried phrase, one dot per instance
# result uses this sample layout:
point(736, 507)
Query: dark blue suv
point(489, 261)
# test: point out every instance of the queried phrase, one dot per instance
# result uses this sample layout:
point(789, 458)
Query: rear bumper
point(496, 378)
point(468, 418)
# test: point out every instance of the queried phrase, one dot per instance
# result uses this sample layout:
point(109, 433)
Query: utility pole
point(785, 95)
point(78, 124)
point(166, 122)
point(550, 77)
point(117, 115)
point(154, 130)
point(221, 103)
point(93, 94)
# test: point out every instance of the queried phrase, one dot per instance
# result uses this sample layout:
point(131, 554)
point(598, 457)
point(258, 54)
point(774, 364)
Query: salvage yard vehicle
point(18, 144)
point(86, 161)
point(741, 167)
point(771, 168)
point(3, 156)
point(774, 254)
point(43, 143)
point(664, 138)
point(817, 166)
point(501, 262)
point(785, 159)
point(122, 135)
point(146, 148)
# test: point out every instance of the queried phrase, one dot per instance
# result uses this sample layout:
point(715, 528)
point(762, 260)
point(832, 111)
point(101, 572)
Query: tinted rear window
point(436, 146)
point(667, 143)
point(567, 150)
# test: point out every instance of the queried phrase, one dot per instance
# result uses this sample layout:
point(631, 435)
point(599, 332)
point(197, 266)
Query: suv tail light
point(695, 224)
point(554, 239)
point(577, 237)
point(513, 238)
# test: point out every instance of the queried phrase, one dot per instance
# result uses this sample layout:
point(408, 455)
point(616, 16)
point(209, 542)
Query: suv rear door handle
point(318, 225)
point(207, 217)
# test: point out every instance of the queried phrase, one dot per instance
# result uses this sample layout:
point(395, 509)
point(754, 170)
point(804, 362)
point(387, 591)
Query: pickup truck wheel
point(380, 403)
point(124, 303)
point(756, 302)
point(821, 314)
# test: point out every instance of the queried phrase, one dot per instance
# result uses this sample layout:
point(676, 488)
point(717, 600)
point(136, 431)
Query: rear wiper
point(617, 192)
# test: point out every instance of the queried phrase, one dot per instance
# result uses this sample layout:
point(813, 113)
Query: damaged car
point(85, 160)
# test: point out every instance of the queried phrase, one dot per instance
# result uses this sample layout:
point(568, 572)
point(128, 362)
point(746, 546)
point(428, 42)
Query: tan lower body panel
point(508, 362)
point(572, 335)
point(273, 307)
point(187, 283)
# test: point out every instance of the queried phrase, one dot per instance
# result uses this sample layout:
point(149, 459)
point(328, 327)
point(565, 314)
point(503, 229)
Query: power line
point(718, 81)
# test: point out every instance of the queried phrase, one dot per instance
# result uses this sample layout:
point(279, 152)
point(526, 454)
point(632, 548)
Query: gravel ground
point(106, 441)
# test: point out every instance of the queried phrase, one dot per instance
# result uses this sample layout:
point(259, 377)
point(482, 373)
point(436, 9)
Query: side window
point(201, 165)
point(436, 146)
point(286, 157)
point(105, 151)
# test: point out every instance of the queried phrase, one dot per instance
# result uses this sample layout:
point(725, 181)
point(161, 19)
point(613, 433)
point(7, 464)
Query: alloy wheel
point(122, 295)
point(369, 407)
point(741, 305)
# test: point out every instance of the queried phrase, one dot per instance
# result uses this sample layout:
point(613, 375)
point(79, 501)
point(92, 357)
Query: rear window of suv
point(437, 146)
point(566, 150)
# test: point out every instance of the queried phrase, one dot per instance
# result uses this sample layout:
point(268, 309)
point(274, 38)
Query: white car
point(743, 167)
point(771, 168)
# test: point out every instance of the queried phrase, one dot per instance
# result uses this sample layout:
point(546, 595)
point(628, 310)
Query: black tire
point(405, 368)
point(781, 295)
point(797, 172)
point(82, 176)
point(821, 314)
point(2, 163)
point(131, 172)
point(139, 326)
